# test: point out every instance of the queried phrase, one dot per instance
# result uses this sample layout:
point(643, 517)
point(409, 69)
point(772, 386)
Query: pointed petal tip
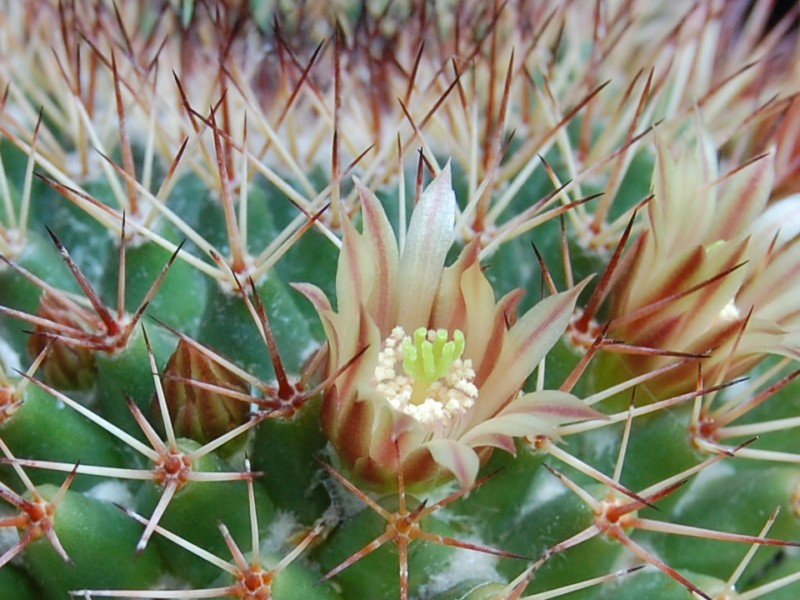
point(457, 458)
point(579, 287)
point(361, 187)
point(442, 184)
point(446, 173)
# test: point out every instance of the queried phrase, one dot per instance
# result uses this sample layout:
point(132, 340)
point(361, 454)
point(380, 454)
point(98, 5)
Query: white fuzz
point(9, 537)
point(464, 565)
point(543, 488)
point(9, 359)
point(113, 491)
point(698, 486)
point(282, 528)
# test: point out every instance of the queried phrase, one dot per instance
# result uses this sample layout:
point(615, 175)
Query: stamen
point(425, 377)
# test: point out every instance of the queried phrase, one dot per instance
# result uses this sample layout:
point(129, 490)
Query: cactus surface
point(442, 300)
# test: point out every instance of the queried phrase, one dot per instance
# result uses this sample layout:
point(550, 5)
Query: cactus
point(417, 300)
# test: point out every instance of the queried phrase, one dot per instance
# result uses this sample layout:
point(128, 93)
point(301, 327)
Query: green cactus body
point(96, 552)
point(446, 300)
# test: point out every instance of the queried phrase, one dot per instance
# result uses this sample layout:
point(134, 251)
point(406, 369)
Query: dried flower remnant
point(443, 362)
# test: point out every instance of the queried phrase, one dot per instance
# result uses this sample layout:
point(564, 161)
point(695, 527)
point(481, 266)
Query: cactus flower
point(711, 273)
point(438, 383)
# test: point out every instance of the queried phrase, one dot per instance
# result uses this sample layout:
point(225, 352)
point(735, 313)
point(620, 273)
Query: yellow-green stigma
point(427, 360)
point(424, 375)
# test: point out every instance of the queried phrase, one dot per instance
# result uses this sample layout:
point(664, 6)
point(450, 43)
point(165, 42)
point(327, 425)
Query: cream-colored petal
point(450, 309)
point(504, 312)
point(631, 270)
point(789, 346)
point(361, 335)
point(706, 153)
point(760, 338)
point(537, 413)
point(456, 457)
point(773, 292)
point(677, 201)
point(781, 219)
point(742, 198)
point(323, 307)
point(552, 405)
point(394, 435)
point(315, 295)
point(355, 273)
point(480, 308)
point(347, 336)
point(382, 247)
point(673, 324)
point(763, 337)
point(526, 343)
point(430, 235)
point(509, 426)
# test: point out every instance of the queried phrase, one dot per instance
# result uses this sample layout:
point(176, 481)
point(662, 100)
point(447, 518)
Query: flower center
point(424, 376)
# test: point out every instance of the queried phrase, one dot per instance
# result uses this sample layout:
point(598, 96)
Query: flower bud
point(67, 365)
point(198, 412)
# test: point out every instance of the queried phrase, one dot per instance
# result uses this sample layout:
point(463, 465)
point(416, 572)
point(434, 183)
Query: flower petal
point(554, 405)
point(480, 308)
point(506, 309)
point(361, 336)
point(355, 274)
point(382, 299)
point(450, 308)
point(743, 198)
point(537, 413)
point(393, 436)
point(465, 301)
point(496, 431)
point(526, 343)
point(456, 457)
point(781, 219)
point(430, 235)
point(773, 292)
point(670, 318)
point(323, 307)
point(315, 295)
point(676, 184)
